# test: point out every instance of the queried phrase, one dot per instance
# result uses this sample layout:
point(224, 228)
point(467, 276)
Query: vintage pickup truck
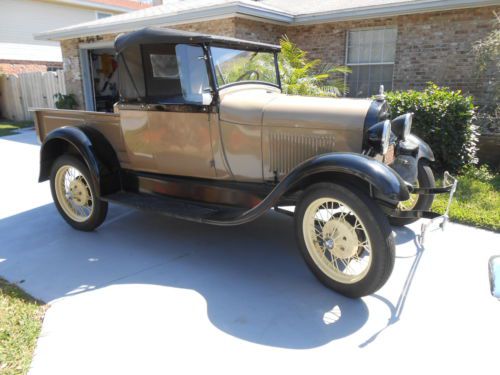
point(203, 132)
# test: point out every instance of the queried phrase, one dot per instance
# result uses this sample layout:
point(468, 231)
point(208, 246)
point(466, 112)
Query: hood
point(256, 105)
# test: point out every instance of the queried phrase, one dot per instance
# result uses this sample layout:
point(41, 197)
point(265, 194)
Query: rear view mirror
point(494, 271)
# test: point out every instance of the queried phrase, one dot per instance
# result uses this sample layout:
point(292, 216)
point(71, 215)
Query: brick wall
point(438, 47)
point(17, 66)
point(258, 31)
point(430, 46)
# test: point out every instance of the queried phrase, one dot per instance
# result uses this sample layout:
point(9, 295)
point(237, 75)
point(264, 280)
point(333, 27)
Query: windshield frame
point(237, 83)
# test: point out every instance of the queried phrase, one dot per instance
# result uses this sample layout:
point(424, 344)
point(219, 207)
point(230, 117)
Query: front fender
point(378, 175)
point(93, 148)
point(424, 150)
point(388, 183)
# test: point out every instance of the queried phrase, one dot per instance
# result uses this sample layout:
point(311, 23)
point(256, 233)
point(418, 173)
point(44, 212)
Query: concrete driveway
point(146, 294)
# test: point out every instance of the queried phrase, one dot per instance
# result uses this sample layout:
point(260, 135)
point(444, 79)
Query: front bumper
point(449, 186)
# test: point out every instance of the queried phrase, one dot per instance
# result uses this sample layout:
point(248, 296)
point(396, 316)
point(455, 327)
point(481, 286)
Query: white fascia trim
point(389, 10)
point(93, 5)
point(201, 14)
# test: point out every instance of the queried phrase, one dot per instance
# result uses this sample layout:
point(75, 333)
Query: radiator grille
point(288, 150)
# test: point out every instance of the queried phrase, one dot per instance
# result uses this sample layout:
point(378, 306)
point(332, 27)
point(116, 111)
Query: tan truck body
point(258, 133)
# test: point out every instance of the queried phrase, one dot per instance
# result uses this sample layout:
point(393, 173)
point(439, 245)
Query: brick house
point(20, 19)
point(399, 43)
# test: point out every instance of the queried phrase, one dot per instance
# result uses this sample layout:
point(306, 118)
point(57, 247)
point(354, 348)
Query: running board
point(180, 209)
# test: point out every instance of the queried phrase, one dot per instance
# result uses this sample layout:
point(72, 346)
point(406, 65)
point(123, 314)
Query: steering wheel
point(249, 74)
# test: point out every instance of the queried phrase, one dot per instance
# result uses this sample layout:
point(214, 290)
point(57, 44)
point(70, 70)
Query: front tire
point(426, 179)
point(345, 239)
point(75, 195)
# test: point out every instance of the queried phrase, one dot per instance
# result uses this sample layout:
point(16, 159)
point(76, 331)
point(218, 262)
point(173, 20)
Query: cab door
point(181, 142)
point(179, 121)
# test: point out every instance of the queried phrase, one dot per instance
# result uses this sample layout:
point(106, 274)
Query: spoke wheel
point(337, 240)
point(409, 204)
point(75, 195)
point(345, 238)
point(425, 178)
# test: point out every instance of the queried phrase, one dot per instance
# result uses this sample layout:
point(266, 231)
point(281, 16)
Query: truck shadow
point(255, 284)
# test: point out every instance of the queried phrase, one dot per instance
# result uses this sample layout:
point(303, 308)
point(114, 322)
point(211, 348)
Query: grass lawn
point(11, 127)
point(20, 323)
point(477, 200)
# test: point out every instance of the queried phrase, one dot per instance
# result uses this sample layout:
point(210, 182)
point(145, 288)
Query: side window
point(176, 74)
point(164, 66)
point(161, 73)
point(193, 74)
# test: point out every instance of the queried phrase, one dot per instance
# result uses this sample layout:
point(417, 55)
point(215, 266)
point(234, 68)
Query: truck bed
point(47, 119)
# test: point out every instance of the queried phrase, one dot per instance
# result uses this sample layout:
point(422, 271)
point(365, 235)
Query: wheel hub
point(78, 192)
point(340, 238)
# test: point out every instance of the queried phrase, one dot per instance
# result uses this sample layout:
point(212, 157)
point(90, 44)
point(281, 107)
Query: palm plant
point(301, 76)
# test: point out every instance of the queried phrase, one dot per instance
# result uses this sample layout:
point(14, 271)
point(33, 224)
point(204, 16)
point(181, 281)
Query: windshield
point(233, 65)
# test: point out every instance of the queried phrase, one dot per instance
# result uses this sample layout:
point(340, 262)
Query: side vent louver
point(288, 150)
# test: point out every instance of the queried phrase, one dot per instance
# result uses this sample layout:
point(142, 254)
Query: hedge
point(444, 119)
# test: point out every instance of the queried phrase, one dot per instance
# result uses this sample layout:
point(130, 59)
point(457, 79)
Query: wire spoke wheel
point(423, 202)
point(337, 240)
point(409, 204)
point(345, 238)
point(74, 193)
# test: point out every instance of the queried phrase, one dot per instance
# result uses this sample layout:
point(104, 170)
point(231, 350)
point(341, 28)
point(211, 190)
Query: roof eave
point(198, 15)
point(389, 10)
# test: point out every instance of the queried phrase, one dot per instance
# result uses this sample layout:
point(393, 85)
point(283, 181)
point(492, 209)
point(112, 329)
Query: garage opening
point(100, 78)
point(103, 66)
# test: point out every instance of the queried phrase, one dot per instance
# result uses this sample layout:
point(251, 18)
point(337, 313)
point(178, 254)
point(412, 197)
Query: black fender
point(424, 150)
point(382, 178)
point(92, 147)
point(387, 183)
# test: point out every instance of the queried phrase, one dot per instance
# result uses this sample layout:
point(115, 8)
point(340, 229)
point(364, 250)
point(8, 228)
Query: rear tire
point(423, 202)
point(75, 195)
point(345, 239)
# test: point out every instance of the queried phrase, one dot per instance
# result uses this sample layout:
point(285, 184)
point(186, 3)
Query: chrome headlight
point(379, 136)
point(401, 125)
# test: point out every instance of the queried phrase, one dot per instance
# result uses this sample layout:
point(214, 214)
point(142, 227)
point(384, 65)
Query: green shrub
point(480, 173)
point(444, 119)
point(65, 101)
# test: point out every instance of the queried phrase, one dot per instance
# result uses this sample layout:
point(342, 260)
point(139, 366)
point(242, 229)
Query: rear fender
point(92, 147)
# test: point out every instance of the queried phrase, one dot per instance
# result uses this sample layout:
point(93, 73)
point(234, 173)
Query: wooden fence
point(20, 92)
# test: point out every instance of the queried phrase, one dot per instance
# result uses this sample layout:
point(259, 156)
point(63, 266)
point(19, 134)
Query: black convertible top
point(152, 35)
